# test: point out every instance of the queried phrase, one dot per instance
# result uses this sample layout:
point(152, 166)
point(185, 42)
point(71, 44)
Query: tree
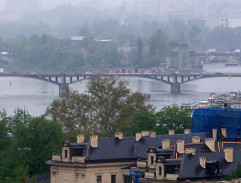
point(144, 121)
point(31, 145)
point(107, 107)
point(173, 117)
point(235, 174)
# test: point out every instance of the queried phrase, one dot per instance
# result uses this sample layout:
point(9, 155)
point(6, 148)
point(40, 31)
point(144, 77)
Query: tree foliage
point(107, 106)
point(30, 145)
point(173, 117)
point(169, 117)
point(235, 174)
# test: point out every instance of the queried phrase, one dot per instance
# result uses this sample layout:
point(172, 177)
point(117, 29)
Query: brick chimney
point(119, 135)
point(94, 140)
point(180, 146)
point(171, 132)
point(190, 151)
point(214, 131)
point(202, 161)
point(152, 134)
point(145, 133)
point(187, 131)
point(210, 142)
point(228, 154)
point(195, 139)
point(80, 138)
point(165, 143)
point(138, 136)
point(224, 132)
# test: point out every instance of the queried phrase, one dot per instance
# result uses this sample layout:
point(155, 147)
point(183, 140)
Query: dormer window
point(152, 159)
point(65, 153)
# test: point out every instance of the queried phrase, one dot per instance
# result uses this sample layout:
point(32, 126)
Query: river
point(35, 95)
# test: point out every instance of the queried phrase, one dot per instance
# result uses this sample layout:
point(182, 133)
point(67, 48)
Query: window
point(160, 170)
point(152, 160)
point(65, 153)
point(113, 178)
point(98, 179)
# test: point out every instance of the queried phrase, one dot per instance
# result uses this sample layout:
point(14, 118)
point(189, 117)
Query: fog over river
point(36, 95)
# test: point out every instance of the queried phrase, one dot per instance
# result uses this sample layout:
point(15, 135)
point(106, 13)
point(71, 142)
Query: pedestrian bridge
point(174, 80)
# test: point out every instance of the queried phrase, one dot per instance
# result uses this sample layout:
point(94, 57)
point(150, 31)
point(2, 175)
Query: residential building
point(149, 158)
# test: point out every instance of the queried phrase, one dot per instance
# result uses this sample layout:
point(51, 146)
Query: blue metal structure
point(135, 174)
point(204, 120)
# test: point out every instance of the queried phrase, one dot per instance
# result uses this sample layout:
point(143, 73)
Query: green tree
point(144, 121)
point(31, 145)
point(235, 174)
point(173, 117)
point(107, 107)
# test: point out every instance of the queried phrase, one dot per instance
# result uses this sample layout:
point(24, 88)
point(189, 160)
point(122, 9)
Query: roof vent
point(190, 151)
point(224, 132)
point(165, 143)
point(80, 138)
point(119, 135)
point(145, 133)
point(180, 146)
point(228, 154)
point(187, 131)
point(94, 140)
point(153, 134)
point(202, 161)
point(195, 139)
point(138, 136)
point(171, 132)
point(210, 142)
point(214, 134)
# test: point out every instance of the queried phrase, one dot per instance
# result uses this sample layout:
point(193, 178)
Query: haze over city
point(120, 91)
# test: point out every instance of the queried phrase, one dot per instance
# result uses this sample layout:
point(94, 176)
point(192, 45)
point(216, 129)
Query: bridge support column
point(175, 88)
point(63, 90)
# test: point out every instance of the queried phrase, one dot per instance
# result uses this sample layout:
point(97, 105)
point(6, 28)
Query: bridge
point(64, 80)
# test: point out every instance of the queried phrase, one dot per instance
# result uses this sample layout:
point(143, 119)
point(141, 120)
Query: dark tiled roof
point(191, 168)
point(111, 149)
point(235, 146)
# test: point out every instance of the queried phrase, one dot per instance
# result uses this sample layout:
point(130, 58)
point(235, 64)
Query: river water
point(35, 95)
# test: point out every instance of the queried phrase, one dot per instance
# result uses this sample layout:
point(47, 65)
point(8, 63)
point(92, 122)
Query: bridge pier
point(63, 90)
point(175, 88)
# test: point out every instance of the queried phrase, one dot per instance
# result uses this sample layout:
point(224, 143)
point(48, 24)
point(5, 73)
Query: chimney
point(210, 142)
point(180, 146)
point(152, 134)
point(80, 138)
point(187, 131)
point(190, 151)
point(202, 161)
point(94, 140)
point(224, 132)
point(214, 134)
point(228, 154)
point(119, 135)
point(171, 132)
point(195, 139)
point(138, 136)
point(165, 143)
point(145, 133)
